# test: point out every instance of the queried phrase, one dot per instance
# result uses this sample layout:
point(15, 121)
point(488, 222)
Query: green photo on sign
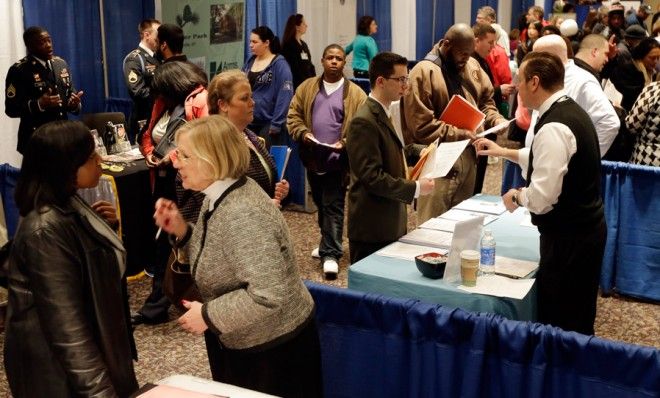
point(213, 31)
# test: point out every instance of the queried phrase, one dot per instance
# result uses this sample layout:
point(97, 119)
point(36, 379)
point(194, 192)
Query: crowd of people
point(575, 95)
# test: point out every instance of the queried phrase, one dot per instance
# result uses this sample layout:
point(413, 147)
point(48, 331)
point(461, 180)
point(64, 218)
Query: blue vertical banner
point(214, 31)
point(477, 4)
point(274, 13)
point(433, 20)
point(519, 7)
point(78, 43)
point(382, 12)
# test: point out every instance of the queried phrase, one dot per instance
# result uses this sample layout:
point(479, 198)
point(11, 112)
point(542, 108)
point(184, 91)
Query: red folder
point(462, 114)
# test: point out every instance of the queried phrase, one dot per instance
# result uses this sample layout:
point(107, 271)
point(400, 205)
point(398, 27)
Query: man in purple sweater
point(317, 120)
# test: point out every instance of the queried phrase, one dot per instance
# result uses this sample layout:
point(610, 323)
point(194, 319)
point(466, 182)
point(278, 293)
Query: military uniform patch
point(11, 91)
point(132, 77)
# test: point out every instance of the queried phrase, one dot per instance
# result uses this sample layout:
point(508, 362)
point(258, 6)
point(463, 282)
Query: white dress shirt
point(584, 89)
point(553, 146)
point(216, 189)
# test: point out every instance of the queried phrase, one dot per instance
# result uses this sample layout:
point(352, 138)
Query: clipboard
point(281, 155)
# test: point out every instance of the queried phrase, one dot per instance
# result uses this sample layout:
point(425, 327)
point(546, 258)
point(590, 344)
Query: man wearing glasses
point(379, 189)
point(446, 71)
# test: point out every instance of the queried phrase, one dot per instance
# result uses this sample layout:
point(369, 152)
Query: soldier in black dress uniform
point(39, 88)
point(139, 66)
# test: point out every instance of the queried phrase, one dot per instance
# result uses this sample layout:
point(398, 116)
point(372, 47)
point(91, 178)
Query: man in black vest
point(39, 87)
point(562, 194)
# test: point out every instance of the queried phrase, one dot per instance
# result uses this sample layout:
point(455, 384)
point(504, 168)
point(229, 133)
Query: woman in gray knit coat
point(257, 316)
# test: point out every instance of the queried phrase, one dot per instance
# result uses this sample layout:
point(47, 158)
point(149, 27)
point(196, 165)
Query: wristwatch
point(514, 199)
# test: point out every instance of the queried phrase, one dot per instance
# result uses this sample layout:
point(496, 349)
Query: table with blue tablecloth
point(400, 278)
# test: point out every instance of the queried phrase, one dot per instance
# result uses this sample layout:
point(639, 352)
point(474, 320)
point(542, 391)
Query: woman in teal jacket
point(364, 46)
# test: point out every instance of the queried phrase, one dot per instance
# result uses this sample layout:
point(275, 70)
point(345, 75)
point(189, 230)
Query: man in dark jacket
point(39, 87)
point(379, 188)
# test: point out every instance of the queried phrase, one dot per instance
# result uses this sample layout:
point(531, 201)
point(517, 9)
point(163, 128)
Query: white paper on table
point(427, 237)
point(513, 267)
point(482, 206)
point(462, 215)
point(439, 224)
point(407, 251)
point(500, 286)
point(495, 128)
point(443, 158)
point(467, 235)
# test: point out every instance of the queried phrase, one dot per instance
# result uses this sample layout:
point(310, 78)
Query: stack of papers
point(439, 224)
point(500, 286)
point(514, 268)
point(462, 215)
point(428, 237)
point(482, 206)
point(406, 251)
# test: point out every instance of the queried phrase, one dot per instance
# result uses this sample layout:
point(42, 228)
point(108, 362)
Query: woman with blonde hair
point(230, 95)
point(257, 316)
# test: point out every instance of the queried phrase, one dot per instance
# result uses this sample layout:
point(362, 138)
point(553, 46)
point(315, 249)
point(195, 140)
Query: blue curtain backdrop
point(477, 4)
point(272, 13)
point(75, 28)
point(519, 7)
point(443, 16)
point(78, 43)
point(382, 12)
point(547, 8)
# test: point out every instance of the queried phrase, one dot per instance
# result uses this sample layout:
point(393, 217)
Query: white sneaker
point(330, 269)
point(315, 253)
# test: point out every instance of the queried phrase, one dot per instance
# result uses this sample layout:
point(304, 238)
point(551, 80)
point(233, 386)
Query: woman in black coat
point(295, 50)
point(67, 331)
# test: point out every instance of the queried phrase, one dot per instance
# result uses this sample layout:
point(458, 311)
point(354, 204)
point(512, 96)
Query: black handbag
point(178, 283)
point(166, 143)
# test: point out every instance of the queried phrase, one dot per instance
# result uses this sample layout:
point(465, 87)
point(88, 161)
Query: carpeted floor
point(166, 350)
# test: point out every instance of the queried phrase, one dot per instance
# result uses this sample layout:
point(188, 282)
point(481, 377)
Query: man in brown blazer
point(379, 189)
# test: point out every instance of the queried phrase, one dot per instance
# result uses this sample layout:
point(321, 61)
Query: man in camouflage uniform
point(39, 88)
point(139, 66)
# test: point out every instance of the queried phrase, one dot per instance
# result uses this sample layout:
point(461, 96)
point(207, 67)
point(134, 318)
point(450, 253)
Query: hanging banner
point(213, 31)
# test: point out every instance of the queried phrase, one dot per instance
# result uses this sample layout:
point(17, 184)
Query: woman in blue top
point(364, 46)
point(272, 85)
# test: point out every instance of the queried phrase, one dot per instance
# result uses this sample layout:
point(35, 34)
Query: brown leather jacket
point(67, 331)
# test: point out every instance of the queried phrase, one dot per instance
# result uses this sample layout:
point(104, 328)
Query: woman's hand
point(192, 321)
point(168, 217)
point(151, 160)
point(107, 211)
point(281, 190)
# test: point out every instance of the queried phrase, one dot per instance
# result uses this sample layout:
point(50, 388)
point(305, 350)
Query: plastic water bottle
point(487, 263)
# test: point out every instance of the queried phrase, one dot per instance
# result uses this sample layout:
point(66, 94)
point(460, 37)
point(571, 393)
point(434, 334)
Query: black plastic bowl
point(431, 265)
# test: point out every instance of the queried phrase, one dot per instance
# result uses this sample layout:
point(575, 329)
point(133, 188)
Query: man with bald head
point(447, 70)
point(584, 89)
point(593, 54)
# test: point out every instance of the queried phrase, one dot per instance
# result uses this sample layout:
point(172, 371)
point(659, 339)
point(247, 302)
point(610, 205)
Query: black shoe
point(137, 318)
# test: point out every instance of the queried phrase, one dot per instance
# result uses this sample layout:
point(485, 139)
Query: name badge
point(303, 55)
